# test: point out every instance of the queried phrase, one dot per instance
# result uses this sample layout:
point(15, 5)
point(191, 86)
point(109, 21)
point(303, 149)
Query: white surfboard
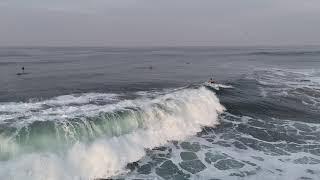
point(216, 86)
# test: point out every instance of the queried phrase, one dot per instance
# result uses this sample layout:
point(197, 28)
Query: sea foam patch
point(239, 148)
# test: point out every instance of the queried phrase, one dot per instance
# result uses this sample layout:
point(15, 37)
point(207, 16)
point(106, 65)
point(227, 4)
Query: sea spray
point(173, 116)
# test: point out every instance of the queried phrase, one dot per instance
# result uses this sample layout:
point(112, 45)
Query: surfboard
point(216, 86)
point(19, 74)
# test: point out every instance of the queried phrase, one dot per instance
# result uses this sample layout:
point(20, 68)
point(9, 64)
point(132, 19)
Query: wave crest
point(172, 116)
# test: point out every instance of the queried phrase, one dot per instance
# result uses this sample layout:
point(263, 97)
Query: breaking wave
point(96, 135)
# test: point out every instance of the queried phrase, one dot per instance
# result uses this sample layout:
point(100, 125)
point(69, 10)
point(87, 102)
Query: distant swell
point(286, 53)
point(96, 135)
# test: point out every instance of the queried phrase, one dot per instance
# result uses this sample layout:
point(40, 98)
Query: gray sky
point(159, 22)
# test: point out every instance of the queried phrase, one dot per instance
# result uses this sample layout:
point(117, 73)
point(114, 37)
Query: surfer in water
point(21, 73)
point(211, 81)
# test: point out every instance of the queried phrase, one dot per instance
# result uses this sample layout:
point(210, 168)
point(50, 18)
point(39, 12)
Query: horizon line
point(155, 46)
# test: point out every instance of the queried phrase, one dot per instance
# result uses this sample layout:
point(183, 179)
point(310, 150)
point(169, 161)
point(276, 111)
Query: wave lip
point(173, 116)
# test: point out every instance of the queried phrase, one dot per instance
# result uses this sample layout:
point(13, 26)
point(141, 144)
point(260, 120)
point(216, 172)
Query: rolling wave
point(96, 134)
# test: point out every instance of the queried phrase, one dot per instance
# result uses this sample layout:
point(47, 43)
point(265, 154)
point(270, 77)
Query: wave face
point(96, 135)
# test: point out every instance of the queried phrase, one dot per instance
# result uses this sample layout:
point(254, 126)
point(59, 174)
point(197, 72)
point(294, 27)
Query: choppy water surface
point(144, 113)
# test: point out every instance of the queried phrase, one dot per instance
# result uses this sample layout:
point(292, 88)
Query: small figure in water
point(211, 81)
point(21, 73)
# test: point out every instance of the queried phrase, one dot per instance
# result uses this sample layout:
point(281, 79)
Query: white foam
point(174, 116)
point(291, 83)
point(57, 101)
point(268, 167)
point(293, 78)
point(55, 108)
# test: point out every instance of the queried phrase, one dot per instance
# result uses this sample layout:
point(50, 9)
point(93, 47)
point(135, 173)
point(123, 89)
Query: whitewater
point(97, 135)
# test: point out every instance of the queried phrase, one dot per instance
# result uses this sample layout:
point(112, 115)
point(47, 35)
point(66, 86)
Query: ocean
point(80, 113)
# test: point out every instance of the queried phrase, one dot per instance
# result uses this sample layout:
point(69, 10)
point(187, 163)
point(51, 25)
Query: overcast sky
point(159, 22)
